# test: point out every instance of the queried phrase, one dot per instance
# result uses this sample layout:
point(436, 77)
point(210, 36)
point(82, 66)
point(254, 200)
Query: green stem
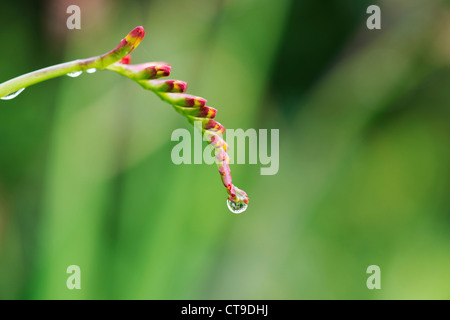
point(124, 47)
point(40, 75)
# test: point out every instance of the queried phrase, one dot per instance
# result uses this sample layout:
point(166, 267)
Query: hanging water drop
point(92, 70)
point(74, 74)
point(236, 207)
point(12, 95)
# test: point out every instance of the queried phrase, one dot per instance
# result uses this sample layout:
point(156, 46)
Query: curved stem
point(40, 75)
point(126, 45)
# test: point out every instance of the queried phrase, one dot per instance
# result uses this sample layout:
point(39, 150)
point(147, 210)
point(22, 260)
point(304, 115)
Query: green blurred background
point(86, 176)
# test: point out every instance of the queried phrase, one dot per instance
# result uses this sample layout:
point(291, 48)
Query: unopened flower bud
point(143, 71)
point(174, 86)
point(128, 44)
point(183, 100)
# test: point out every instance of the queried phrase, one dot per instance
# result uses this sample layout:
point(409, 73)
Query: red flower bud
point(126, 59)
point(128, 44)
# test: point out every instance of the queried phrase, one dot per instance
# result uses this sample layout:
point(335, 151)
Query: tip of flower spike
point(136, 35)
point(138, 31)
point(125, 47)
point(240, 196)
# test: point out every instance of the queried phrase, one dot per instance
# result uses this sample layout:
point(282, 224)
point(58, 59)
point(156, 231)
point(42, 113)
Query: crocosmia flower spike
point(148, 75)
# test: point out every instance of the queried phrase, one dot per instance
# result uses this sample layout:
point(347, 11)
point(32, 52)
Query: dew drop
point(12, 95)
point(236, 207)
point(74, 74)
point(92, 70)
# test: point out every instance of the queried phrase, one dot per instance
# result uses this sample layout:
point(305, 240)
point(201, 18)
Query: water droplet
point(236, 207)
point(74, 74)
point(12, 95)
point(92, 70)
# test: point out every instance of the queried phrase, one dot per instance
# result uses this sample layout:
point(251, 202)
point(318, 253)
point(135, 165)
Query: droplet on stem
point(74, 74)
point(92, 70)
point(12, 95)
point(236, 207)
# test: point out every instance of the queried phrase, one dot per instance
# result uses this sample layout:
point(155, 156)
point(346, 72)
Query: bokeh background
point(86, 176)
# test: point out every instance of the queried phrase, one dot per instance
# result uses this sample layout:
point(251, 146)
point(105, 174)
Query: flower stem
point(40, 75)
point(126, 45)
